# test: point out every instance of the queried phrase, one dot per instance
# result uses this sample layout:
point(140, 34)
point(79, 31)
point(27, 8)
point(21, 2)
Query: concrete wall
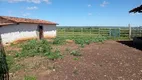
point(22, 31)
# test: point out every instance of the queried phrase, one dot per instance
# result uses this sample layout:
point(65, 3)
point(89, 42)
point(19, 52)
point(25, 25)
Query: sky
point(75, 12)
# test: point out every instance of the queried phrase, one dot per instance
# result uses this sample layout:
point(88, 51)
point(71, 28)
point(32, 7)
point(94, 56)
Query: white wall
point(49, 31)
point(13, 33)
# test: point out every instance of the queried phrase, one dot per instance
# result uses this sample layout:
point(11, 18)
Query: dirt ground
point(110, 60)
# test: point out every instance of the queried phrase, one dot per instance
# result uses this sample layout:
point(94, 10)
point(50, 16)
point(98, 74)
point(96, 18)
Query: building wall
point(22, 31)
point(49, 31)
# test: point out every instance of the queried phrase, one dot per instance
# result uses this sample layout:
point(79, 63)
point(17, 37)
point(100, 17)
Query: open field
point(75, 60)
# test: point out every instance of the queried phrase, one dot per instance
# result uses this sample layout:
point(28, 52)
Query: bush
point(34, 47)
point(59, 40)
point(54, 55)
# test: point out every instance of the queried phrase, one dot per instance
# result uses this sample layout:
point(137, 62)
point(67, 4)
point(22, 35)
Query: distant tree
point(138, 9)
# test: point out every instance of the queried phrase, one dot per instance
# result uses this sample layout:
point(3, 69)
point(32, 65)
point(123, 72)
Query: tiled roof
point(5, 24)
point(25, 20)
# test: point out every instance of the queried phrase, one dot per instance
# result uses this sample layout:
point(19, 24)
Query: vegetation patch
point(38, 48)
point(59, 40)
point(30, 78)
point(75, 53)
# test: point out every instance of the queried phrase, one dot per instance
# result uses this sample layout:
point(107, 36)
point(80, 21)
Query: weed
point(33, 48)
point(75, 53)
point(38, 48)
point(10, 61)
point(30, 78)
point(67, 49)
point(54, 55)
point(76, 59)
point(59, 40)
point(16, 67)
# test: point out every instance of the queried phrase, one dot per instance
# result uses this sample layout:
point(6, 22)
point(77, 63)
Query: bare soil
point(110, 60)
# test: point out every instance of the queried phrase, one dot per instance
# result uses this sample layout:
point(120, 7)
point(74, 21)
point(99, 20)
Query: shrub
point(54, 55)
point(59, 40)
point(33, 47)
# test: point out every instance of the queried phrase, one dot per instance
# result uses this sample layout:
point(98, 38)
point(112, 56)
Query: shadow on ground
point(4, 71)
point(131, 44)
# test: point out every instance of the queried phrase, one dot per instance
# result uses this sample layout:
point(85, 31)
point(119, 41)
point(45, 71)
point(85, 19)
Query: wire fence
point(95, 31)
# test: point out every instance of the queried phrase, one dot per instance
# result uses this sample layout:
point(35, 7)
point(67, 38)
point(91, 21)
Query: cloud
point(104, 4)
point(29, 1)
point(89, 5)
point(133, 14)
point(26, 14)
point(89, 14)
point(32, 8)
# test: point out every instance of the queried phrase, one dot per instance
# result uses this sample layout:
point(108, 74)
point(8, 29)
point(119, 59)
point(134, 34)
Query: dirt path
point(108, 61)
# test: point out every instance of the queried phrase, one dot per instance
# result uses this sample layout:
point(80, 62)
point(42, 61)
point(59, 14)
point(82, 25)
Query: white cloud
point(104, 4)
point(89, 5)
point(133, 14)
point(32, 8)
point(26, 14)
point(29, 1)
point(89, 14)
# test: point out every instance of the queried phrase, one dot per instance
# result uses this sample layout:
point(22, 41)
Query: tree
point(138, 9)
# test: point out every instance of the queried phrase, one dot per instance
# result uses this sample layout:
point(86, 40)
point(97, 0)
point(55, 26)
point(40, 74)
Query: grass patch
point(82, 41)
point(30, 78)
point(59, 40)
point(75, 59)
point(10, 61)
point(75, 53)
point(38, 48)
point(54, 55)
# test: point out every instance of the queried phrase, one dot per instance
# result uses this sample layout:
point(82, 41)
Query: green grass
point(93, 31)
point(59, 40)
point(76, 59)
point(75, 53)
point(38, 48)
point(30, 78)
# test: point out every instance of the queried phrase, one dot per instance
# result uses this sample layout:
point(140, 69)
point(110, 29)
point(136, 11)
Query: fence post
point(119, 32)
point(129, 30)
point(110, 32)
point(99, 31)
point(90, 32)
point(64, 32)
point(73, 32)
point(81, 32)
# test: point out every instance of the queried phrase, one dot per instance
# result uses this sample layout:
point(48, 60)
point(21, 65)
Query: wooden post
point(81, 32)
point(90, 32)
point(64, 32)
point(130, 31)
point(99, 31)
point(110, 32)
point(73, 32)
point(119, 32)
